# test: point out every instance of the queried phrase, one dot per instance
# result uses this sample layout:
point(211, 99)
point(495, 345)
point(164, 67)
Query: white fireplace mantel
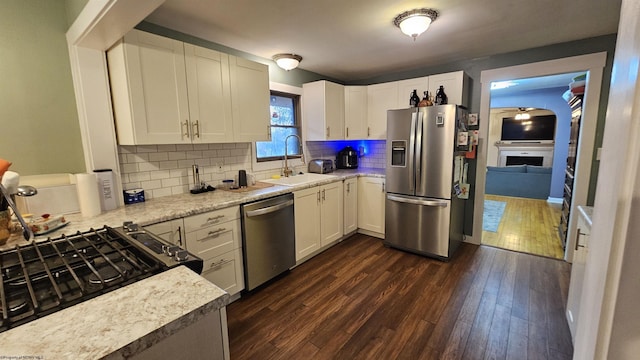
point(525, 149)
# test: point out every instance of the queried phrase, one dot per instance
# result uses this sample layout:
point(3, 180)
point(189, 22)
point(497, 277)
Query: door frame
point(593, 64)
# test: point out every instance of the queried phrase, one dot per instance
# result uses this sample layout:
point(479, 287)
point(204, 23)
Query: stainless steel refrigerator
point(424, 174)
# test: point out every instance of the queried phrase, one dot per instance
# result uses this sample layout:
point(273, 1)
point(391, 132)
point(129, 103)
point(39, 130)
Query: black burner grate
point(43, 277)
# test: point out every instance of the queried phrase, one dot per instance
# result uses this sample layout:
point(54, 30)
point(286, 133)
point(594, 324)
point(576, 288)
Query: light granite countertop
point(110, 326)
point(587, 213)
point(176, 206)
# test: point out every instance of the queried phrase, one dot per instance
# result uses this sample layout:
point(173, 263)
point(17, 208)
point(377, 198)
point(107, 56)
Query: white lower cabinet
point(171, 231)
point(581, 250)
point(371, 200)
point(318, 218)
point(226, 271)
point(350, 201)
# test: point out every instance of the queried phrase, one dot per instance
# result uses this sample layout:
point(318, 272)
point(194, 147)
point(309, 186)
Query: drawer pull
point(218, 264)
point(216, 232)
point(215, 218)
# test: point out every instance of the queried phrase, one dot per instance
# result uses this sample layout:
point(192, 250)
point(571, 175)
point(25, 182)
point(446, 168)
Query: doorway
point(593, 64)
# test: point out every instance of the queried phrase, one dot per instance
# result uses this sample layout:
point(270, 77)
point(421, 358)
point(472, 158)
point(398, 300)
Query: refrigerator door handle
point(412, 145)
point(420, 126)
point(417, 201)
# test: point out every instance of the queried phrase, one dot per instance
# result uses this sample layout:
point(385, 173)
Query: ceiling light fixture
point(287, 61)
point(415, 22)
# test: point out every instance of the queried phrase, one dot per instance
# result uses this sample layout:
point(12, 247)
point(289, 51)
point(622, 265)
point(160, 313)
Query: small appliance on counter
point(347, 158)
point(320, 166)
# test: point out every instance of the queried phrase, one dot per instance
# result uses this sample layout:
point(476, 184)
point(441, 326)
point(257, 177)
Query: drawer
point(214, 240)
point(226, 271)
point(200, 221)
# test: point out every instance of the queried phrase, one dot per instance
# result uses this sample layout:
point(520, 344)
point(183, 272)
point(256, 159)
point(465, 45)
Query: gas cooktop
point(43, 277)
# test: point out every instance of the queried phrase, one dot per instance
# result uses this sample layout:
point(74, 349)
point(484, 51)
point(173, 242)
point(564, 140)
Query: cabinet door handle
point(328, 131)
point(348, 187)
point(578, 239)
point(179, 236)
point(368, 131)
point(323, 195)
point(347, 131)
point(318, 196)
point(186, 127)
point(269, 132)
point(196, 126)
point(383, 187)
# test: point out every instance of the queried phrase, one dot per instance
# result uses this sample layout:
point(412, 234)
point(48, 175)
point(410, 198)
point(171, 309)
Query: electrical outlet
point(219, 167)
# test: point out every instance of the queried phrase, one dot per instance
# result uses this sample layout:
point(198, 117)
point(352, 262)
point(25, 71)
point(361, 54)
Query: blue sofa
point(526, 181)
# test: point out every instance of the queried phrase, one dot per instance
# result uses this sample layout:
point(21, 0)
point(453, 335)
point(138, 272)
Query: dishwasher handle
point(269, 209)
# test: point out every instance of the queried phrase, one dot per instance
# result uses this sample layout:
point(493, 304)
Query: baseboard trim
point(554, 200)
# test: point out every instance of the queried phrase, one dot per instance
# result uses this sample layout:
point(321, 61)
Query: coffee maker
point(347, 158)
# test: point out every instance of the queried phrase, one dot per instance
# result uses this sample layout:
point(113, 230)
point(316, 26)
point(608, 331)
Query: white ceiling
point(356, 39)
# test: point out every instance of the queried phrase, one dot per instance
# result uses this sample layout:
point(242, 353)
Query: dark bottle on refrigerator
point(441, 97)
point(414, 99)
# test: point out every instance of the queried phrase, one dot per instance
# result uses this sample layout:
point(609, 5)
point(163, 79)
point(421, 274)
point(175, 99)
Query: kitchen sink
point(299, 179)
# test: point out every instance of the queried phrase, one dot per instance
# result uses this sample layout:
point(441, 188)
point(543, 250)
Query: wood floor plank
point(361, 300)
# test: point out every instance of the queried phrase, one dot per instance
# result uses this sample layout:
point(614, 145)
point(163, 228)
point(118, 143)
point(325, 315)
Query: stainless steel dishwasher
point(268, 239)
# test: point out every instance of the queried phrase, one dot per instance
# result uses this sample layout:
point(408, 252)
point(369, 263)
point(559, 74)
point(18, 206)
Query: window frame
point(278, 164)
point(297, 109)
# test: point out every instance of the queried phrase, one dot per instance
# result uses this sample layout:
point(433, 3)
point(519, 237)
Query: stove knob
point(126, 224)
point(172, 250)
point(182, 255)
point(165, 249)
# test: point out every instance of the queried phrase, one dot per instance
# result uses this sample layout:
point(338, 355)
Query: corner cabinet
point(355, 112)
point(167, 92)
point(323, 110)
point(380, 98)
point(318, 218)
point(371, 205)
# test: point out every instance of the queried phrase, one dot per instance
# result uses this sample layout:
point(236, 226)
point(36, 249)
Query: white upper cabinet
point(355, 112)
point(323, 110)
point(149, 89)
point(209, 94)
point(406, 87)
point(167, 92)
point(250, 99)
point(455, 87)
point(380, 97)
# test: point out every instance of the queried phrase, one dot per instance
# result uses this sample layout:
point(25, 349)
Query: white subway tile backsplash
point(163, 170)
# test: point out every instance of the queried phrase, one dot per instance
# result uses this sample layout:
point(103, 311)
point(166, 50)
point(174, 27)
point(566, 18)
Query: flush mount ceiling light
point(287, 61)
point(415, 22)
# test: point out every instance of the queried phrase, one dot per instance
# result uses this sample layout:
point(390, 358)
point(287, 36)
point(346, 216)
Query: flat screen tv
point(537, 128)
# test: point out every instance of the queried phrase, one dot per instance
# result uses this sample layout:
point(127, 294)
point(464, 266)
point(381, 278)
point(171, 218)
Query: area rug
point(492, 215)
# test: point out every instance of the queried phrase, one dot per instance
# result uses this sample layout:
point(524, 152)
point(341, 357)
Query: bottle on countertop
point(425, 100)
point(441, 97)
point(414, 99)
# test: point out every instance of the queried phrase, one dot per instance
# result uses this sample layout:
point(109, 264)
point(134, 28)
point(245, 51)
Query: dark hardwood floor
point(361, 300)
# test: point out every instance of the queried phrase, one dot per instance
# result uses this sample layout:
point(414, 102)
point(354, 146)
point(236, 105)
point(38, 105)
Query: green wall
point(38, 119)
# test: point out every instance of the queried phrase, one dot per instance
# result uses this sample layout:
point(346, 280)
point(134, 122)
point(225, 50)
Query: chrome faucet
point(26, 230)
point(286, 171)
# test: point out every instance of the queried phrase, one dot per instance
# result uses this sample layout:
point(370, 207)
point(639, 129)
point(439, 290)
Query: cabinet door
point(323, 110)
point(455, 86)
point(371, 204)
point(406, 87)
point(249, 100)
point(209, 95)
point(171, 231)
point(350, 200)
point(150, 89)
point(380, 98)
point(307, 221)
point(331, 213)
point(355, 112)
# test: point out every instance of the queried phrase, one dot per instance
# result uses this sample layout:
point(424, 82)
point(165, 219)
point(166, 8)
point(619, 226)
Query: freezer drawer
point(421, 225)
